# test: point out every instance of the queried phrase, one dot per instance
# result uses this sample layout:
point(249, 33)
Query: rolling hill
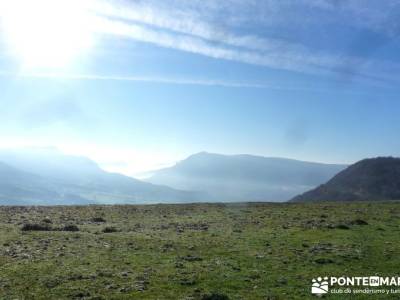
point(48, 177)
point(244, 177)
point(374, 179)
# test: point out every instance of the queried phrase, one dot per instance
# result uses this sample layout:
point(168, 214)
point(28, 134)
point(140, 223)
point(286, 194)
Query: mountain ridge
point(43, 178)
point(244, 177)
point(372, 179)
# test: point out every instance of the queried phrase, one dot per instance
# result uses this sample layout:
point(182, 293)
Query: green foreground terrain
point(195, 251)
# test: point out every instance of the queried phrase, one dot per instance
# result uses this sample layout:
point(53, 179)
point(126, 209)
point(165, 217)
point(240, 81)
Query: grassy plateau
point(194, 251)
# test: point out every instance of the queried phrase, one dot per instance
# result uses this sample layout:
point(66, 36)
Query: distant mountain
point(21, 187)
point(244, 177)
point(48, 177)
point(50, 163)
point(367, 180)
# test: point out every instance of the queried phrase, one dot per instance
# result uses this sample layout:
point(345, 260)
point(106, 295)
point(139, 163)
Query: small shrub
point(109, 229)
point(70, 228)
point(342, 226)
point(192, 258)
point(358, 222)
point(324, 261)
point(35, 227)
point(98, 220)
point(215, 296)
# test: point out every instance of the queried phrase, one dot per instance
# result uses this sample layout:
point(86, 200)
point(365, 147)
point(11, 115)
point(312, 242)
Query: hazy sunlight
point(46, 33)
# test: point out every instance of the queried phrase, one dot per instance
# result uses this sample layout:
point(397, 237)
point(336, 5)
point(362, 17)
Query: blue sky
point(136, 85)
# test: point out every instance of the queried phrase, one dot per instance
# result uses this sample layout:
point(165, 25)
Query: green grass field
point(199, 251)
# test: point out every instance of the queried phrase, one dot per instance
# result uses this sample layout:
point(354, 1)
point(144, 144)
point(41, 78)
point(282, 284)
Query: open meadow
point(193, 251)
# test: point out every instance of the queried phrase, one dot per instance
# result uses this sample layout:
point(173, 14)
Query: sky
point(139, 85)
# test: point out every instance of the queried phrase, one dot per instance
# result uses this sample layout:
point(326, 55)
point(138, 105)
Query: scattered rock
point(322, 248)
point(52, 283)
point(80, 294)
point(141, 283)
point(125, 289)
point(192, 258)
point(187, 281)
point(167, 247)
point(125, 274)
point(282, 281)
point(75, 277)
point(111, 287)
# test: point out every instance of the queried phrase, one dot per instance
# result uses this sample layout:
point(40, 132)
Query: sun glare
point(46, 33)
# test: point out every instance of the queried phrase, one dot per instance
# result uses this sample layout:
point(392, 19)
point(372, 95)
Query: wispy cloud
point(294, 61)
point(197, 27)
point(178, 81)
point(230, 30)
point(175, 81)
point(190, 22)
point(188, 31)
